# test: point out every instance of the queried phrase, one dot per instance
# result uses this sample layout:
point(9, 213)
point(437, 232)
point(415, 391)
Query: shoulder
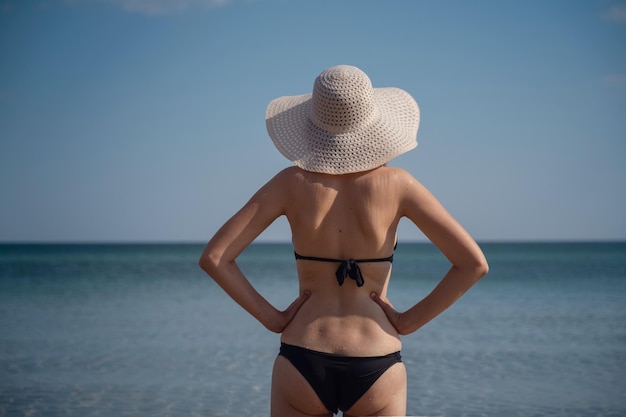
point(289, 174)
point(397, 177)
point(281, 183)
point(287, 177)
point(407, 188)
point(397, 173)
point(282, 177)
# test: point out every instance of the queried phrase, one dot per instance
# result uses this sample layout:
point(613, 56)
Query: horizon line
point(284, 242)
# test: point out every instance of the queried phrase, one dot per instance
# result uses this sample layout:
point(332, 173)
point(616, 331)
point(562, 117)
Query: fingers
point(297, 303)
point(389, 310)
point(386, 305)
point(293, 308)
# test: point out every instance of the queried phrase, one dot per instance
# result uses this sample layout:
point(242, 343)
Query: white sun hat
point(345, 125)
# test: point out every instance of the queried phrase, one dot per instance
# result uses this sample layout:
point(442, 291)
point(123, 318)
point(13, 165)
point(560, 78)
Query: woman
point(340, 342)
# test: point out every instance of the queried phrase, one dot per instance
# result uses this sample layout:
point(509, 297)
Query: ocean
point(140, 330)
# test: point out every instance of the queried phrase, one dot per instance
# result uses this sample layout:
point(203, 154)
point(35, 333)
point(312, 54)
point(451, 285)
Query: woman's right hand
point(283, 318)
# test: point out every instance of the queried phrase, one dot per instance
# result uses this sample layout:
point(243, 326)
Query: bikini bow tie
point(349, 268)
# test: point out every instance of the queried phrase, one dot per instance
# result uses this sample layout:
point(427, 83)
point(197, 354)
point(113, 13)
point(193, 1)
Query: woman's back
point(343, 217)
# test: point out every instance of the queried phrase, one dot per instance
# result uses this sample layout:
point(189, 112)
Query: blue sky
point(143, 120)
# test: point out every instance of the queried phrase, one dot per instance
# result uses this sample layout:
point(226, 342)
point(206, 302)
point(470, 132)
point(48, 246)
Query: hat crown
point(342, 100)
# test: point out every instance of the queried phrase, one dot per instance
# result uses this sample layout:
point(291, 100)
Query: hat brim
point(392, 132)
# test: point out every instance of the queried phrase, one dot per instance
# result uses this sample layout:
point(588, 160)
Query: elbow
point(475, 270)
point(210, 261)
point(206, 264)
point(480, 268)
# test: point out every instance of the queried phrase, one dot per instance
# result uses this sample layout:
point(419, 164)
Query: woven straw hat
point(345, 125)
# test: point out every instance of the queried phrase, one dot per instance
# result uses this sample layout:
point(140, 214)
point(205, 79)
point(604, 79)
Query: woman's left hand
point(285, 317)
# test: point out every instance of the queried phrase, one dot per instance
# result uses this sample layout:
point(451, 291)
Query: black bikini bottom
point(339, 381)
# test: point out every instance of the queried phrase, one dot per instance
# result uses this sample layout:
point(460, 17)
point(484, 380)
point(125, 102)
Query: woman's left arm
point(218, 257)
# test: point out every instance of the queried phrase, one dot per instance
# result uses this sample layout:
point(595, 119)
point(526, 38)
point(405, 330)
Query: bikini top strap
point(347, 267)
point(358, 261)
point(315, 258)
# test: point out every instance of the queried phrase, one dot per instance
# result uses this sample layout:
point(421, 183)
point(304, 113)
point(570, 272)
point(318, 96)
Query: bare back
point(352, 216)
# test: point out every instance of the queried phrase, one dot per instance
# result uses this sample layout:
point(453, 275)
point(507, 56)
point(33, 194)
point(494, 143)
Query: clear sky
point(143, 120)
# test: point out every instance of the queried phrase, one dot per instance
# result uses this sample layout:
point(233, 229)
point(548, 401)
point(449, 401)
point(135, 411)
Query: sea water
point(140, 330)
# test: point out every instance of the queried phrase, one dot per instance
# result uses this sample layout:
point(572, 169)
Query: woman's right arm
point(219, 255)
point(467, 259)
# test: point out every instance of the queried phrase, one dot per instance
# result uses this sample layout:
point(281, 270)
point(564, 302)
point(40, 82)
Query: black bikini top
point(347, 267)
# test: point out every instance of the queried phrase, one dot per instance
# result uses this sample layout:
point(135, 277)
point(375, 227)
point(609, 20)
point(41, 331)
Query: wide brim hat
point(345, 125)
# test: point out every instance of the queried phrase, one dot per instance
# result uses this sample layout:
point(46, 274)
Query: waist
point(354, 330)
